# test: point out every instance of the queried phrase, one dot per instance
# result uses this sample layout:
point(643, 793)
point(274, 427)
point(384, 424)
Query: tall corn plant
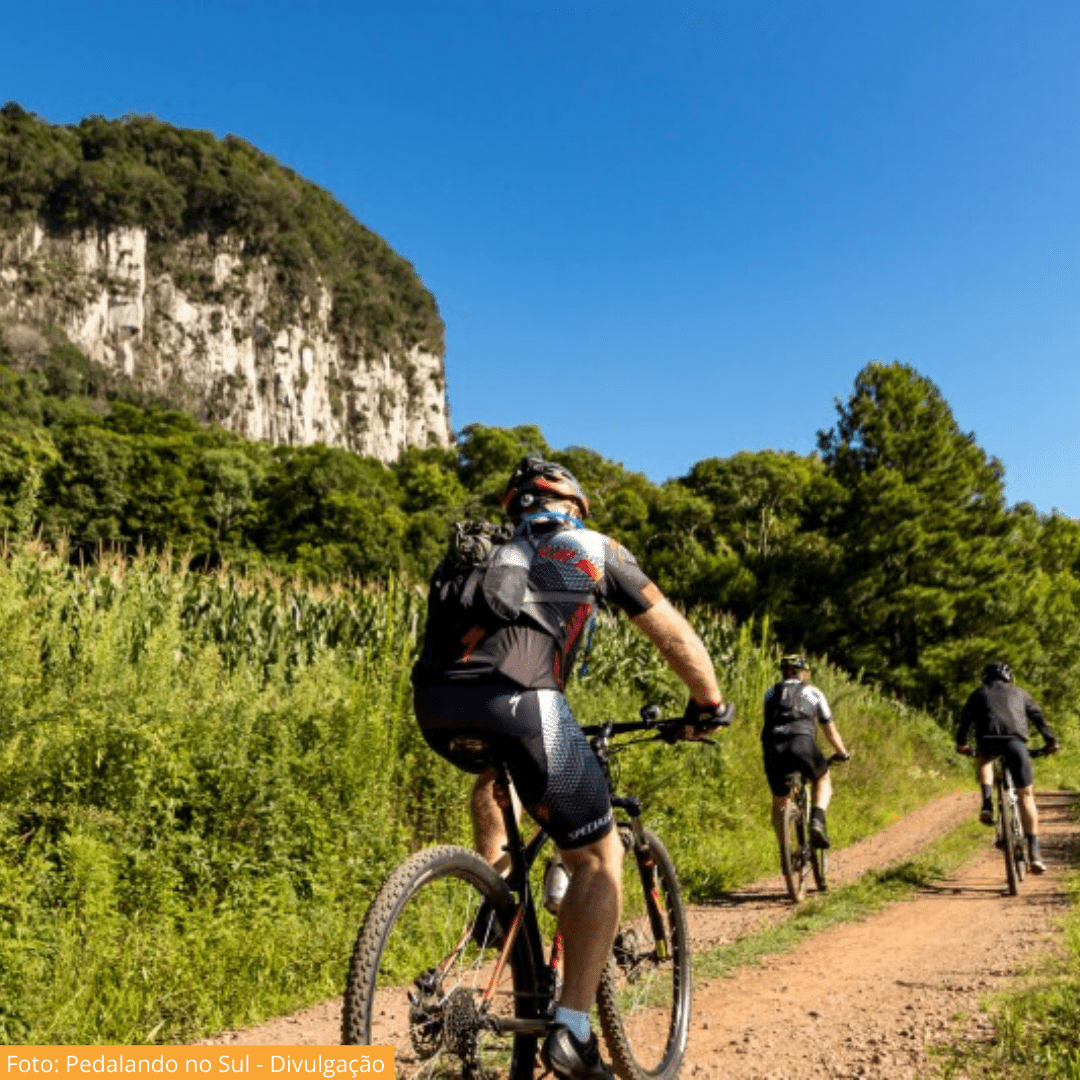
point(203, 779)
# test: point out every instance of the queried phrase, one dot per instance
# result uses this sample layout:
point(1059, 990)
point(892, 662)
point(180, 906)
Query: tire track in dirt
point(719, 922)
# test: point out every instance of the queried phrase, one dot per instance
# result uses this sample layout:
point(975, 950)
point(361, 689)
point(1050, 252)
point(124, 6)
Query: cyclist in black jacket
point(1000, 711)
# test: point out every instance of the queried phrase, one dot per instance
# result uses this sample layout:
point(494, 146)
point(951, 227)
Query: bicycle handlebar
point(668, 729)
point(1042, 751)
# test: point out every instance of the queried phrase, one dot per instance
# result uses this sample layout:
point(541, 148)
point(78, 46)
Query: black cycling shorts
point(533, 732)
point(799, 754)
point(1015, 752)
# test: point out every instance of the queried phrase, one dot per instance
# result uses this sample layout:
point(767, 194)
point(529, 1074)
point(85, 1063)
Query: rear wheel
point(1006, 810)
point(1017, 833)
point(644, 994)
point(792, 847)
point(425, 976)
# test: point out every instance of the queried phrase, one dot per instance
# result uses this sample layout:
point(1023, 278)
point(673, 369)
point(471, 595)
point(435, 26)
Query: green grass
point(204, 779)
point(859, 900)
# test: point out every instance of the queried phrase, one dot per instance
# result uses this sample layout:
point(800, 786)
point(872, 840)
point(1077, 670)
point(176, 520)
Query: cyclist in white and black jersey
point(793, 710)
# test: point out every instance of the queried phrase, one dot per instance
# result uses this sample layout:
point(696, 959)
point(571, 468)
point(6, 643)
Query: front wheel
point(644, 994)
point(792, 861)
point(819, 863)
point(425, 976)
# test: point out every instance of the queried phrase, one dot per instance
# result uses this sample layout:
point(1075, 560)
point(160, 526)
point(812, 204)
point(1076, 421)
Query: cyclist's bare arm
point(682, 649)
point(833, 735)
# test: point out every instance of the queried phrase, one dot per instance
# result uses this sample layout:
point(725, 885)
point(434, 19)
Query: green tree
point(773, 512)
point(924, 589)
point(332, 514)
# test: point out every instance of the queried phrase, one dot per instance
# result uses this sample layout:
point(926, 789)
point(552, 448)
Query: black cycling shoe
point(819, 838)
point(986, 814)
point(570, 1058)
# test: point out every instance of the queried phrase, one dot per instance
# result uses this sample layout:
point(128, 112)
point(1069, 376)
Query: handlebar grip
point(723, 720)
point(839, 759)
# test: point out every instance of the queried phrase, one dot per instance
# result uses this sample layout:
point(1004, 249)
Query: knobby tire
point(792, 839)
point(1017, 835)
point(1005, 824)
point(819, 863)
point(637, 982)
point(412, 931)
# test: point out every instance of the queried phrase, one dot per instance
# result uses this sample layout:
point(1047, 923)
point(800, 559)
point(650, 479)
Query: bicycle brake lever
point(669, 733)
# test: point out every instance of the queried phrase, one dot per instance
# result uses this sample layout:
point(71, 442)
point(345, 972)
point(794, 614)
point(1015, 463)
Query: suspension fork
point(650, 883)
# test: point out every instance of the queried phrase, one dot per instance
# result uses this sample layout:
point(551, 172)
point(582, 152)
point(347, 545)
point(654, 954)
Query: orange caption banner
point(254, 1062)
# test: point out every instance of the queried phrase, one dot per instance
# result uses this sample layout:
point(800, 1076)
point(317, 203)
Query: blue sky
point(667, 231)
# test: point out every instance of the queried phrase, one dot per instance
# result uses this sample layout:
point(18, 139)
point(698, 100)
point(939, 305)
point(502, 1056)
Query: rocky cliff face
point(206, 328)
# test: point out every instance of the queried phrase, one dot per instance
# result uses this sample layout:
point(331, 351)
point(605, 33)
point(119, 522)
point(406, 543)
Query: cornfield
point(204, 778)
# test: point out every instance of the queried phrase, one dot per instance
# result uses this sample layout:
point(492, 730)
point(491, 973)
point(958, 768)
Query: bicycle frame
point(523, 857)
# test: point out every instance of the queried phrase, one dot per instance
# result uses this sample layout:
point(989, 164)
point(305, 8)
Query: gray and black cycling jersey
point(793, 707)
point(569, 571)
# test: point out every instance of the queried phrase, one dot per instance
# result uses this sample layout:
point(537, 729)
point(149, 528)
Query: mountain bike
point(1008, 824)
point(797, 854)
point(450, 966)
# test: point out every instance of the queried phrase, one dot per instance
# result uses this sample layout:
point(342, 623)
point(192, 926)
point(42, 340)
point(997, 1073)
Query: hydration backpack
point(461, 583)
point(784, 712)
point(482, 584)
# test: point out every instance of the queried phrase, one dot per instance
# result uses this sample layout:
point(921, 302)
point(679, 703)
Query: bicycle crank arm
point(505, 1025)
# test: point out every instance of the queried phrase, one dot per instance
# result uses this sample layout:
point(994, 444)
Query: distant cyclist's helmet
point(794, 662)
point(997, 673)
point(536, 481)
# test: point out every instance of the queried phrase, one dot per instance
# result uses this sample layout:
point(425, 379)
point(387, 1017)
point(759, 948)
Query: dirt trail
point(866, 999)
point(734, 1019)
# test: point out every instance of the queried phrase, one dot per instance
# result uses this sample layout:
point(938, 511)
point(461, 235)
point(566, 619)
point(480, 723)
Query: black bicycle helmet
point(997, 673)
point(536, 481)
point(794, 662)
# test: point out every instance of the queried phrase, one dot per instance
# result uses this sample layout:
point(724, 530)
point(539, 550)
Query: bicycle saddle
point(473, 752)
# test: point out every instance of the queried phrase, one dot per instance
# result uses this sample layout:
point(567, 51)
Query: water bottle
point(556, 882)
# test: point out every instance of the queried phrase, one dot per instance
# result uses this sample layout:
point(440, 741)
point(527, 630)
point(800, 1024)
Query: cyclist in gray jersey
point(502, 684)
point(793, 710)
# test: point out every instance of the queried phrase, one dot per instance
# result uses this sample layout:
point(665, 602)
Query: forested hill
point(201, 273)
point(891, 549)
point(177, 184)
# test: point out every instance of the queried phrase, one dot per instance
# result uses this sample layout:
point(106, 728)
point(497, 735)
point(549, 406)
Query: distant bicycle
point(797, 855)
point(1008, 825)
point(450, 966)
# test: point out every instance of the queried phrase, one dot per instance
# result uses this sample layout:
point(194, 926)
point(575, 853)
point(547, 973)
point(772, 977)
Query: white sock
point(576, 1022)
